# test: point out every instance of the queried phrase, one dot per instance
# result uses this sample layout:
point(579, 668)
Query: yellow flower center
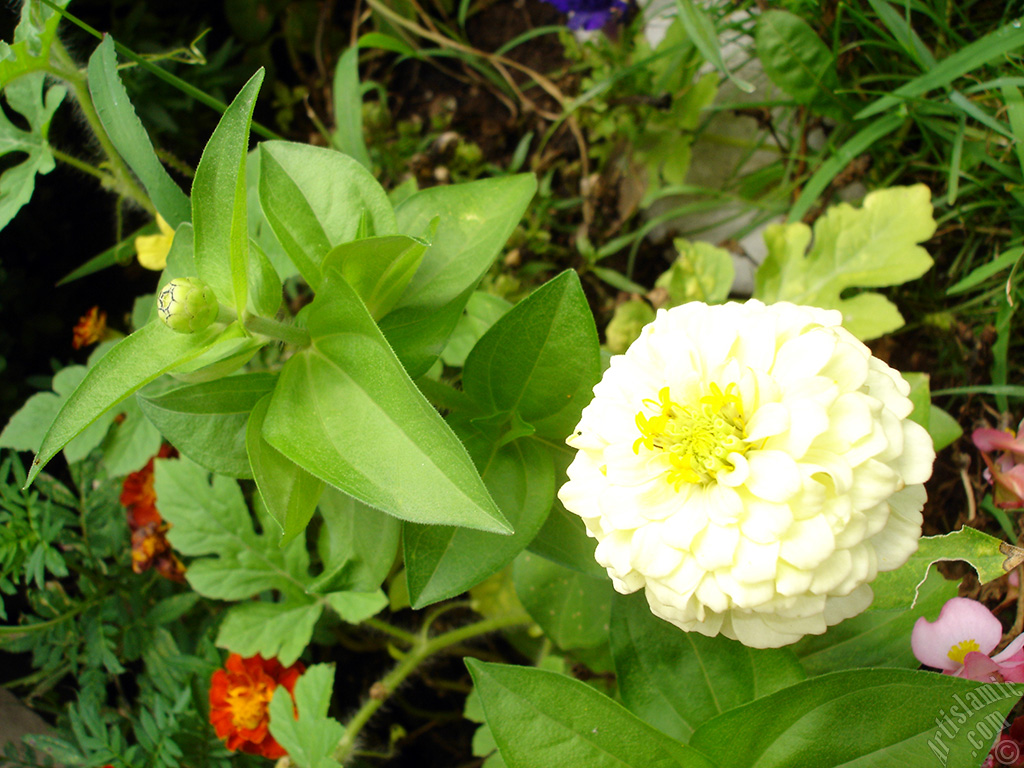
point(961, 649)
point(698, 438)
point(248, 703)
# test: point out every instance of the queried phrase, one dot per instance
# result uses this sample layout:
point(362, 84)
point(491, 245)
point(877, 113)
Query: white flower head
point(752, 468)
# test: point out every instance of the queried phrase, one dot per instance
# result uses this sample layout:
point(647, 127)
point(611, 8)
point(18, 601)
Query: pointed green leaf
point(542, 719)
point(540, 359)
point(206, 421)
point(314, 199)
point(863, 717)
point(348, 108)
point(129, 137)
point(476, 219)
point(132, 443)
point(876, 638)
point(345, 410)
point(219, 202)
point(290, 492)
point(255, 628)
point(573, 610)
point(378, 268)
point(133, 362)
point(797, 61)
point(442, 561)
point(678, 680)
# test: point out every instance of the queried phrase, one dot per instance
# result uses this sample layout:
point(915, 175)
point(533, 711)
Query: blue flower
point(589, 14)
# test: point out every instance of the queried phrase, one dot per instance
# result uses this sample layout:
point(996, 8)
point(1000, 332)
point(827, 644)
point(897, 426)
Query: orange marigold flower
point(90, 328)
point(150, 548)
point(240, 700)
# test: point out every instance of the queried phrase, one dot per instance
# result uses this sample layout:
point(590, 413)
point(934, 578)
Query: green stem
point(408, 638)
point(81, 165)
point(422, 649)
point(64, 68)
point(275, 329)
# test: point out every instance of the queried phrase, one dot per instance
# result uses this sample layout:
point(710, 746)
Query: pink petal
point(988, 439)
point(960, 619)
point(978, 666)
point(1012, 654)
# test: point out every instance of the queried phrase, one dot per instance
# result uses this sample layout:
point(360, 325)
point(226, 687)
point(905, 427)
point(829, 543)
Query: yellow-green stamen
point(961, 649)
point(697, 438)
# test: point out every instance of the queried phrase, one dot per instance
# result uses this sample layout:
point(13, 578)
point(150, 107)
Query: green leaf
point(310, 736)
point(289, 492)
point(442, 561)
point(542, 719)
point(563, 540)
point(357, 544)
point(797, 61)
point(129, 137)
point(989, 556)
point(942, 427)
point(701, 30)
point(539, 360)
point(348, 108)
point(475, 221)
point(870, 247)
point(874, 717)
point(1007, 260)
point(314, 199)
point(356, 607)
point(132, 442)
point(251, 628)
point(677, 680)
point(876, 638)
point(207, 421)
point(132, 363)
point(378, 268)
point(701, 272)
point(345, 410)
point(25, 96)
point(30, 51)
point(482, 311)
point(212, 519)
point(573, 610)
point(219, 202)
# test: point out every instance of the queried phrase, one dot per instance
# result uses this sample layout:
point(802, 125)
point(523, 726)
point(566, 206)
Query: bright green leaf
point(129, 137)
point(482, 311)
point(378, 268)
point(33, 37)
point(701, 272)
point(256, 628)
point(131, 364)
point(873, 246)
point(345, 410)
point(310, 739)
point(542, 719)
point(989, 556)
point(677, 680)
point(357, 543)
point(573, 610)
point(876, 638)
point(442, 561)
point(796, 60)
point(355, 607)
point(289, 492)
point(876, 717)
point(206, 421)
point(219, 202)
point(131, 443)
point(475, 221)
point(348, 108)
point(314, 198)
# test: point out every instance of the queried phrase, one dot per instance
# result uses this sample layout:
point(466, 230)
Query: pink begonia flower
point(1006, 472)
point(960, 640)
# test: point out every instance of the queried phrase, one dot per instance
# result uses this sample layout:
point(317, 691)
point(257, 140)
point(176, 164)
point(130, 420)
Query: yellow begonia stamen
point(961, 649)
point(152, 250)
point(698, 438)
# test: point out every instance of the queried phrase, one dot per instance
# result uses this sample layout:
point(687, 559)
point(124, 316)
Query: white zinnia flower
point(752, 468)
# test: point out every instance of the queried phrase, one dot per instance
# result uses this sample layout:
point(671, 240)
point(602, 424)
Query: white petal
point(715, 546)
point(774, 475)
point(807, 543)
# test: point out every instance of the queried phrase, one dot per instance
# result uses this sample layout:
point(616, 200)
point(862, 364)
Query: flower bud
point(187, 305)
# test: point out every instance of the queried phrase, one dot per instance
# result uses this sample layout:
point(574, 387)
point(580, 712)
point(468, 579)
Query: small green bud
point(187, 305)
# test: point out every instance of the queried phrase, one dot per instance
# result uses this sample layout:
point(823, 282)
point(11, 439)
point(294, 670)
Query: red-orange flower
point(240, 700)
point(90, 328)
point(150, 548)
